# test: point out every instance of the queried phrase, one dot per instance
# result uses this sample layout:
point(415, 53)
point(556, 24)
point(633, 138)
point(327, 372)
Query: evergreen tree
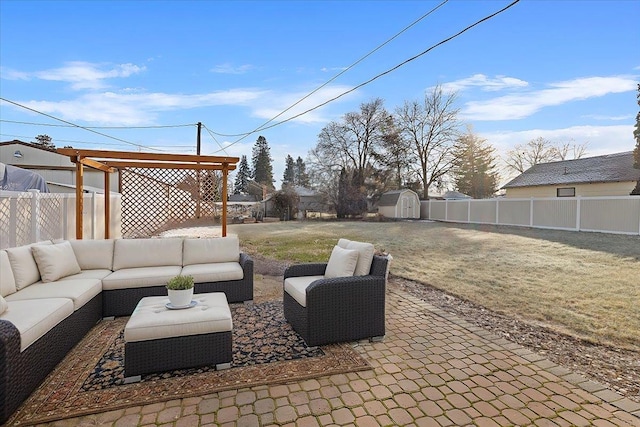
point(475, 167)
point(636, 151)
point(301, 176)
point(44, 141)
point(240, 186)
point(351, 201)
point(262, 172)
point(289, 177)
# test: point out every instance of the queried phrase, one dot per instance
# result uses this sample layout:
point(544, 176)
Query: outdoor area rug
point(266, 350)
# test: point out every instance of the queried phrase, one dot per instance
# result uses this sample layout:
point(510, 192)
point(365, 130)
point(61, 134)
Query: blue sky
point(563, 70)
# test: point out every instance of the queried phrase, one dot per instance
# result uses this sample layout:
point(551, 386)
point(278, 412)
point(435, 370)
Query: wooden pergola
point(110, 161)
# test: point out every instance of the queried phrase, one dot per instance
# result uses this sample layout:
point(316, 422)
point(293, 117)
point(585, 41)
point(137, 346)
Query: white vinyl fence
point(31, 216)
point(601, 214)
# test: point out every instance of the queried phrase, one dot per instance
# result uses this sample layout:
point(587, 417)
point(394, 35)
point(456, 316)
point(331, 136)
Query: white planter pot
point(180, 298)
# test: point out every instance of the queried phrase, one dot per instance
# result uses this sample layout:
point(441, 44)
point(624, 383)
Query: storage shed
point(400, 204)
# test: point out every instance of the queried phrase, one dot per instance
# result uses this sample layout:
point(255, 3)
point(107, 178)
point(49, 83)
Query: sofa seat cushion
point(88, 274)
point(141, 277)
point(215, 272)
point(7, 281)
point(297, 287)
point(94, 254)
point(35, 317)
point(79, 291)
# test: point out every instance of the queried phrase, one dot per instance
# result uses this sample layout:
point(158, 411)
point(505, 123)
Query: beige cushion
point(365, 257)
point(140, 277)
point(131, 253)
point(151, 320)
point(342, 263)
point(94, 254)
point(25, 269)
point(55, 261)
point(35, 317)
point(79, 291)
point(207, 251)
point(87, 274)
point(297, 287)
point(3, 305)
point(216, 272)
point(7, 281)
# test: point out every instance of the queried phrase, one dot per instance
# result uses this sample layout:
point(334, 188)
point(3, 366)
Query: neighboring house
point(52, 166)
point(608, 175)
point(243, 198)
point(454, 195)
point(399, 204)
point(309, 201)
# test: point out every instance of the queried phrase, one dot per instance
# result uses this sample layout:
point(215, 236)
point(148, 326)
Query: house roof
point(390, 198)
point(616, 167)
point(26, 144)
point(454, 195)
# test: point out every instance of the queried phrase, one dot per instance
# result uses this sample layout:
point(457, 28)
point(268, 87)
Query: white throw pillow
point(342, 263)
point(55, 261)
point(3, 305)
point(367, 250)
point(24, 267)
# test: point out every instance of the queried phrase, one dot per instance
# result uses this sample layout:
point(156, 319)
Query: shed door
point(406, 207)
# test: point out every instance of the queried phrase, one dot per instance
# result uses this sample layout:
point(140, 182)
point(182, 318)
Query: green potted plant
point(180, 290)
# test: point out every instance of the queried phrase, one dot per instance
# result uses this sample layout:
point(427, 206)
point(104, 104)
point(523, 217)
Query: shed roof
point(616, 167)
point(390, 198)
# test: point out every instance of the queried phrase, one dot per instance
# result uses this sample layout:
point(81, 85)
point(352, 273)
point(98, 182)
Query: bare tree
point(541, 150)
point(430, 128)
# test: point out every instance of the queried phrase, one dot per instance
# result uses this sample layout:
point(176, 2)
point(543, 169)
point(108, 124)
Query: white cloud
point(521, 105)
point(484, 83)
point(85, 75)
point(610, 118)
point(230, 69)
point(10, 74)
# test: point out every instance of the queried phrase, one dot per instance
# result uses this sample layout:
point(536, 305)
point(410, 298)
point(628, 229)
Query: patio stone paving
point(432, 369)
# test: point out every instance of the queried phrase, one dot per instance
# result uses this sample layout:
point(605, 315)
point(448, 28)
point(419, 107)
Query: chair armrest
point(246, 262)
point(363, 285)
point(308, 269)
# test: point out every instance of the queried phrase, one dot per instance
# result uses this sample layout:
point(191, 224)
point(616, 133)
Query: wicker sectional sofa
point(53, 293)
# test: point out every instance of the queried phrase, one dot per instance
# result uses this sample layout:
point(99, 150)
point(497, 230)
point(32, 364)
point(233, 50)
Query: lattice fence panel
point(50, 216)
point(154, 200)
point(5, 218)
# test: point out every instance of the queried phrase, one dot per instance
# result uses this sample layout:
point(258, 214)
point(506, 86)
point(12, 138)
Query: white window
point(566, 192)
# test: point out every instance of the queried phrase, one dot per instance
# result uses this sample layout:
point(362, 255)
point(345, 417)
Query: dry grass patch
point(585, 284)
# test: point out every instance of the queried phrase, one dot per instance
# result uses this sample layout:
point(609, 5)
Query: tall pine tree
point(289, 177)
point(262, 172)
point(301, 176)
point(240, 186)
point(475, 167)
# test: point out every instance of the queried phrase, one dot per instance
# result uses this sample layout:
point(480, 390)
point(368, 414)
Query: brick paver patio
point(432, 369)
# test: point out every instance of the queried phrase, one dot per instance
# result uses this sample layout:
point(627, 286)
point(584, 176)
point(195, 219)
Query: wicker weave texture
point(144, 357)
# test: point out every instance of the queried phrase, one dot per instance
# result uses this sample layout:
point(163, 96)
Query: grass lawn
point(585, 284)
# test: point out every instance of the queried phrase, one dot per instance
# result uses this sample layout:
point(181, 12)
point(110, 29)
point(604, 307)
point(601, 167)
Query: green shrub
point(179, 283)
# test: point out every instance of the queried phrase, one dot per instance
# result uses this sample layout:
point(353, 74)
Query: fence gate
point(155, 200)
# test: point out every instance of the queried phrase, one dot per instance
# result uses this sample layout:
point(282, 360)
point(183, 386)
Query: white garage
point(400, 204)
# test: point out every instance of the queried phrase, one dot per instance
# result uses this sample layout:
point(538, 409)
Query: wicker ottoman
point(158, 339)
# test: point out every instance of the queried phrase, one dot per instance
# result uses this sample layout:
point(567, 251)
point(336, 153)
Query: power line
point(98, 127)
point(262, 126)
point(211, 134)
point(78, 126)
point(56, 140)
point(486, 18)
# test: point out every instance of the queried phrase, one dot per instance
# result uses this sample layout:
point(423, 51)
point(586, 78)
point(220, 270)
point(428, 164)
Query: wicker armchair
point(338, 309)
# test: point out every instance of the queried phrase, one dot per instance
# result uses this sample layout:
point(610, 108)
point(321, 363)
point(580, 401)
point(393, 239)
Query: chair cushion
point(87, 274)
point(7, 281)
point(35, 317)
point(55, 261)
point(207, 251)
point(342, 262)
point(3, 305)
point(297, 287)
point(365, 257)
point(79, 291)
point(94, 254)
point(25, 269)
point(215, 272)
point(140, 277)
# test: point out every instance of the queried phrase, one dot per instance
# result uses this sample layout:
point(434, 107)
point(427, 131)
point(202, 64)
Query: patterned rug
point(266, 350)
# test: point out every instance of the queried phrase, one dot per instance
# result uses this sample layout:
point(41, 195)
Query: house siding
point(583, 190)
